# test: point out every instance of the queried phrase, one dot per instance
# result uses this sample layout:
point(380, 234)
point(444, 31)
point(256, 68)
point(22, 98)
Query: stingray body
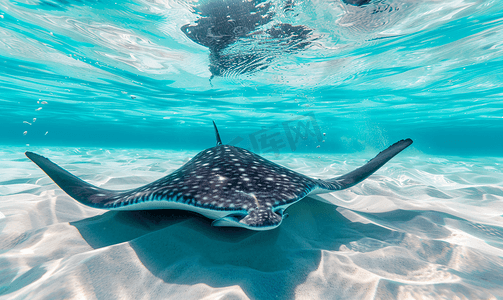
point(231, 185)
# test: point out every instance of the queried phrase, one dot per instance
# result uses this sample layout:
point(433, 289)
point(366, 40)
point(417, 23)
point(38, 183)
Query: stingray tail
point(358, 175)
point(219, 141)
point(78, 189)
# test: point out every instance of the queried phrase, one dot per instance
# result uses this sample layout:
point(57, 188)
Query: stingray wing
point(78, 189)
point(358, 175)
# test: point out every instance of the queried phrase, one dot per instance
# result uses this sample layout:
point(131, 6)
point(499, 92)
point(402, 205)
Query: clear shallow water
point(429, 70)
point(423, 227)
point(321, 79)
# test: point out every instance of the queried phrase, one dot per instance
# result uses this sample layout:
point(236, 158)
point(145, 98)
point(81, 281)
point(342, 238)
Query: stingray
point(231, 185)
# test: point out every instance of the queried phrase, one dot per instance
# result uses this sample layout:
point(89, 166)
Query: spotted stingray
point(231, 185)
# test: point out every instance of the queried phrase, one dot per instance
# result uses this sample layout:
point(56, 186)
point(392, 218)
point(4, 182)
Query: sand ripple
point(421, 227)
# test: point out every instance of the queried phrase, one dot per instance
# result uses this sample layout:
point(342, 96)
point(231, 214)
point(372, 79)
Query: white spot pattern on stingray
point(240, 181)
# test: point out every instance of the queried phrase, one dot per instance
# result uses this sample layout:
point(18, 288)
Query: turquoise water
point(124, 74)
point(123, 93)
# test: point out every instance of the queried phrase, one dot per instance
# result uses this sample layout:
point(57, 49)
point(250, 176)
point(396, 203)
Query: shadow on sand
point(183, 248)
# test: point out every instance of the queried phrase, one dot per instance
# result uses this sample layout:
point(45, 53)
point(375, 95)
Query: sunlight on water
point(122, 93)
point(151, 73)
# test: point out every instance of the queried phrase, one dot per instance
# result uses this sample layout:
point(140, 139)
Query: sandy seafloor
point(422, 227)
